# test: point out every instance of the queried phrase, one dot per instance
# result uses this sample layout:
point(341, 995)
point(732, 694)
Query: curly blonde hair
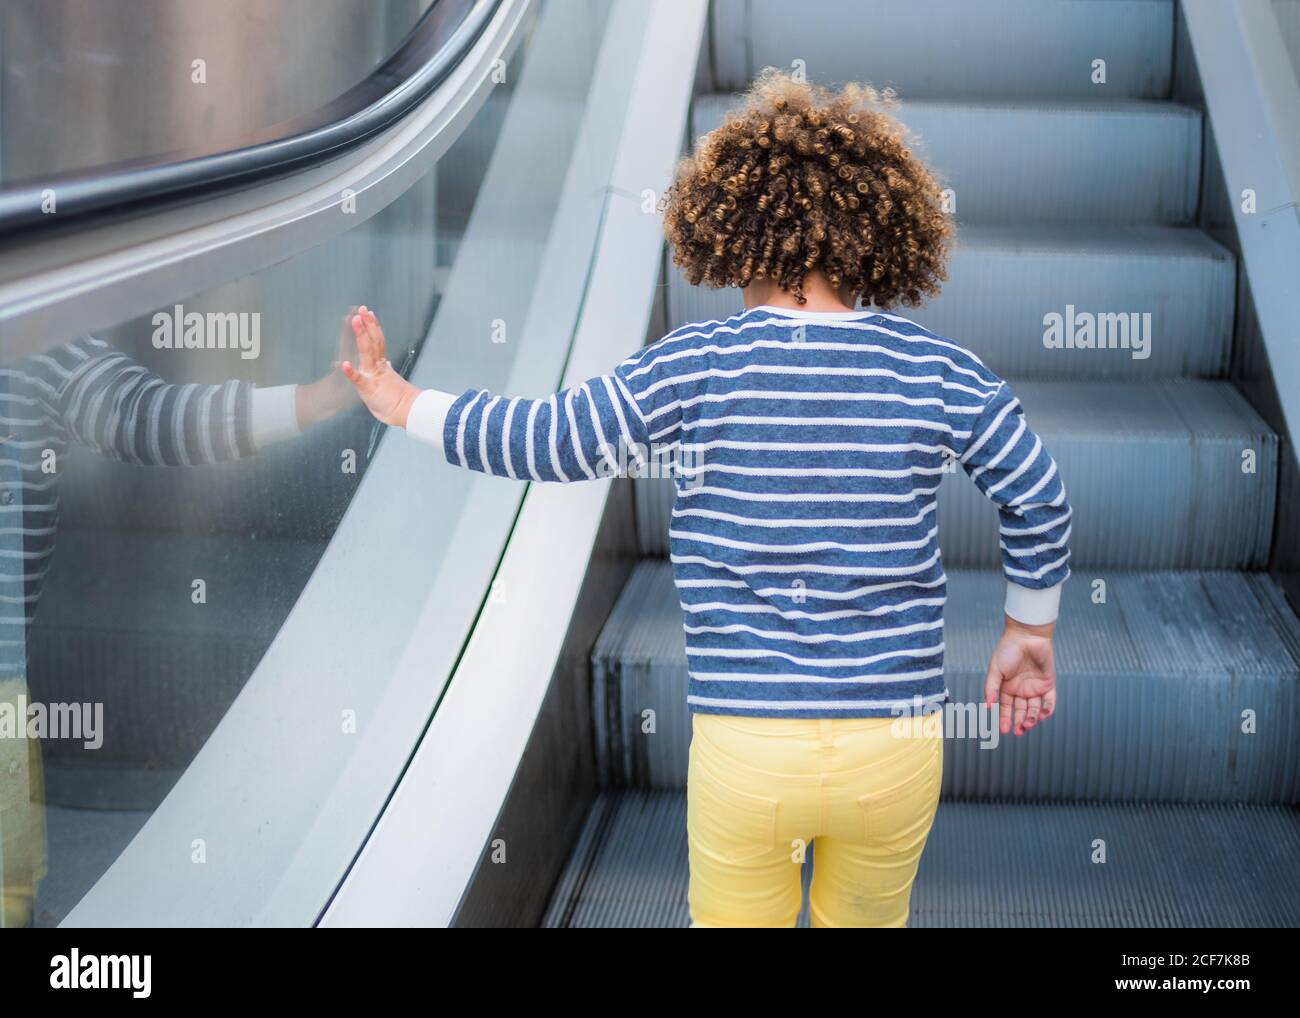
point(800, 179)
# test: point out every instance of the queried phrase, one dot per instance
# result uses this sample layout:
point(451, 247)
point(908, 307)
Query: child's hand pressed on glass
point(386, 393)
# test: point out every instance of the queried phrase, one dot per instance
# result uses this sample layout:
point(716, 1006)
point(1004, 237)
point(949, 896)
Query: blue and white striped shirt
point(804, 540)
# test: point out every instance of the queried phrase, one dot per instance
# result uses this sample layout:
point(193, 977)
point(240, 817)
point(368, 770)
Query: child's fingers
point(366, 357)
point(376, 333)
point(1020, 708)
point(1049, 703)
point(1005, 703)
point(1033, 711)
point(992, 683)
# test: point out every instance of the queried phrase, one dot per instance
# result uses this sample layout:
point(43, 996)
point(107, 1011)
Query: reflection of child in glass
point(88, 393)
point(805, 548)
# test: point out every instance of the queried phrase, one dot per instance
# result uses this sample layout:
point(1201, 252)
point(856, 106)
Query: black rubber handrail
point(428, 54)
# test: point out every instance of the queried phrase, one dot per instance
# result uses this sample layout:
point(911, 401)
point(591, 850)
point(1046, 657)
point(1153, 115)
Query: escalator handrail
point(429, 53)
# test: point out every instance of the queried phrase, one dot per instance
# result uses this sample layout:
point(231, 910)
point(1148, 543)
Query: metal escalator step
point(986, 864)
point(1172, 687)
point(1003, 281)
point(1121, 161)
point(1174, 474)
point(639, 665)
point(1161, 677)
point(627, 865)
point(1167, 475)
point(938, 48)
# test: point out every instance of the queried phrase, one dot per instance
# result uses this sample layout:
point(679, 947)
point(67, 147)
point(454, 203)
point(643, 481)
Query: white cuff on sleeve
point(275, 414)
point(1033, 607)
point(427, 416)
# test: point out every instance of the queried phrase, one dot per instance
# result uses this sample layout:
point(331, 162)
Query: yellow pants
point(759, 790)
point(22, 819)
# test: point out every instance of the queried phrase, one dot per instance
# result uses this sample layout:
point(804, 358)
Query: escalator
point(1148, 800)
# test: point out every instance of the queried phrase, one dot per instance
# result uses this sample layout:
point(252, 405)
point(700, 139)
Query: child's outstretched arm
point(101, 398)
point(583, 433)
point(1008, 463)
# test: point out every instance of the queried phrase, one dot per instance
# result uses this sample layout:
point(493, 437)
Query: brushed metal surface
point(1167, 866)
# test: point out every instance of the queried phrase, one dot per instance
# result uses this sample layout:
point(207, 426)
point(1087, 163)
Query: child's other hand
point(1022, 676)
point(386, 393)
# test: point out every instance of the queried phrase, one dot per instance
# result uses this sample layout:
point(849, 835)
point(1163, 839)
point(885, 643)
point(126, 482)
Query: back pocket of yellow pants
point(898, 818)
point(725, 822)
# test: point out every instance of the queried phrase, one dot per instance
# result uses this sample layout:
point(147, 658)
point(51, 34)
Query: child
point(804, 542)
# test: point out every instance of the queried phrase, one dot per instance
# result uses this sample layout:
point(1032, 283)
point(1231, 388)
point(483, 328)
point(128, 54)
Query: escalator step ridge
point(1004, 279)
point(937, 48)
point(1077, 161)
point(1167, 866)
point(1160, 674)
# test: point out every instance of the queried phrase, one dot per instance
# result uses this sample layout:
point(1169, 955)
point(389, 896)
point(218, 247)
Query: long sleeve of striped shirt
point(105, 400)
point(584, 432)
point(1009, 464)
